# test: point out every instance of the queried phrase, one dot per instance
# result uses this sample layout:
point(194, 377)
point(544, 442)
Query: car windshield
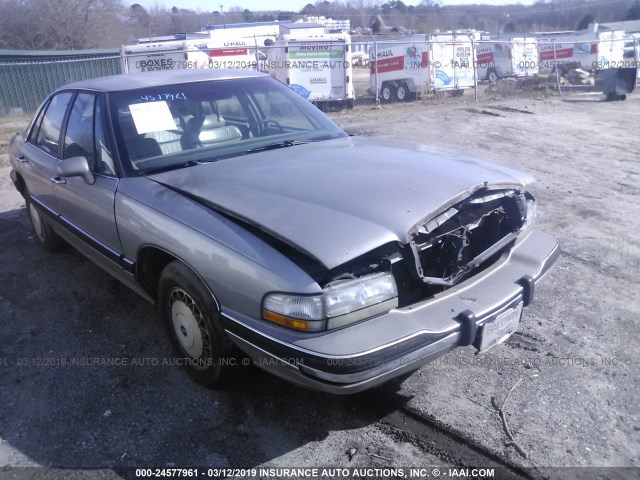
point(184, 124)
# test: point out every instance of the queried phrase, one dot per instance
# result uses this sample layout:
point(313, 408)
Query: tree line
point(83, 24)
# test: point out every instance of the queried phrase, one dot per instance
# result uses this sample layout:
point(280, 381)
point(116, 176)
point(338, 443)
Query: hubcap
point(190, 328)
point(36, 221)
point(401, 93)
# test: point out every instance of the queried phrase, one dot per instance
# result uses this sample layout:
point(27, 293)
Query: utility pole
point(224, 24)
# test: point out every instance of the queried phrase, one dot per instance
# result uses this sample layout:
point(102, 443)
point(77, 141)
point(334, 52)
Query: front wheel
point(192, 321)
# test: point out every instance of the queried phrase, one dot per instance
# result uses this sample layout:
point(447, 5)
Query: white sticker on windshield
point(152, 117)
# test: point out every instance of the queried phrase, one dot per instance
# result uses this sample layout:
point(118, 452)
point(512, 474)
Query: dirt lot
point(576, 350)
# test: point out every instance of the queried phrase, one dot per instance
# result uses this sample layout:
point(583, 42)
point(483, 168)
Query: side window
point(33, 135)
point(48, 136)
point(230, 108)
point(276, 106)
point(78, 139)
point(104, 160)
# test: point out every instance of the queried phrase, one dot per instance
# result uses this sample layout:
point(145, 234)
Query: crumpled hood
point(338, 199)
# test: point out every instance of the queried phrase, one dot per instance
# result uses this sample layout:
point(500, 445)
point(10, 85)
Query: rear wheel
point(492, 76)
point(192, 321)
point(49, 239)
point(402, 92)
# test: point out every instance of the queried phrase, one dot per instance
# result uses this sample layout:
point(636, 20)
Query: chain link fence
point(27, 80)
point(337, 72)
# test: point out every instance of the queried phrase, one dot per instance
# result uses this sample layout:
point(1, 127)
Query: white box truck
point(421, 63)
point(182, 54)
point(317, 66)
point(511, 57)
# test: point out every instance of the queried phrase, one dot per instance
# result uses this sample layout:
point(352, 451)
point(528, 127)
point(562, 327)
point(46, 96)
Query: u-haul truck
point(421, 63)
point(316, 66)
point(176, 55)
point(587, 50)
point(513, 57)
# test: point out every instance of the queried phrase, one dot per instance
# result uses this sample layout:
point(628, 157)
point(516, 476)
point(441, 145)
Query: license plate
point(500, 328)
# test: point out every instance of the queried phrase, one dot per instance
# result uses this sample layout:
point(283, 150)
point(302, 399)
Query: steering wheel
point(261, 126)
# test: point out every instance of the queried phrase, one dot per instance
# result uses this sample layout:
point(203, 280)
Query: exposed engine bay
point(458, 240)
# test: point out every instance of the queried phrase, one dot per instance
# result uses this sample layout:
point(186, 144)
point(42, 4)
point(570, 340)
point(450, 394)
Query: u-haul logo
point(235, 44)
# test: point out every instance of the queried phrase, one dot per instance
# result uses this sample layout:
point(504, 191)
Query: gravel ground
point(575, 351)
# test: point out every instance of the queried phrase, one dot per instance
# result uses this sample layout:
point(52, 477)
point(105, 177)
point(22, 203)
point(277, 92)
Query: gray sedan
point(252, 221)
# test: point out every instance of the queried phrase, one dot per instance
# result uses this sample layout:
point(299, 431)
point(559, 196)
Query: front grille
point(460, 239)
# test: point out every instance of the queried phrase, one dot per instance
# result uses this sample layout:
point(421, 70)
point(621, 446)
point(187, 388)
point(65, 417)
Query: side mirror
point(75, 167)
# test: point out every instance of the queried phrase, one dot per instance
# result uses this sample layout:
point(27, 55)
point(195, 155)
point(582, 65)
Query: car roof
point(133, 81)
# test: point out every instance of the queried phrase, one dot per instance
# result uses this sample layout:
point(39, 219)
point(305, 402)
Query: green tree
point(376, 25)
point(308, 9)
point(585, 21)
point(634, 11)
point(248, 15)
point(510, 27)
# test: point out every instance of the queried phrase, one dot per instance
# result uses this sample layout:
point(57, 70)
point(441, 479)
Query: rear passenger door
point(88, 210)
point(41, 150)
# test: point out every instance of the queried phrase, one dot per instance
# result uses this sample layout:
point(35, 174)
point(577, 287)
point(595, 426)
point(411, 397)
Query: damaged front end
point(444, 249)
point(450, 246)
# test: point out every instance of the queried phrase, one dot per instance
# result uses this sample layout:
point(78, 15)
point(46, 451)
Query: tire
point(192, 320)
point(402, 92)
point(48, 239)
point(492, 76)
point(387, 92)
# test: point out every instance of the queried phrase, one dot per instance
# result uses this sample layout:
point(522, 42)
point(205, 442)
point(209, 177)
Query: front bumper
point(369, 353)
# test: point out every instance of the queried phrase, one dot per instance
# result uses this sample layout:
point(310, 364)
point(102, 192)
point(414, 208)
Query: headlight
point(341, 303)
point(532, 212)
point(351, 295)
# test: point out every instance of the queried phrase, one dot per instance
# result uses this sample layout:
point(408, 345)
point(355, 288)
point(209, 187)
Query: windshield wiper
point(282, 144)
point(176, 166)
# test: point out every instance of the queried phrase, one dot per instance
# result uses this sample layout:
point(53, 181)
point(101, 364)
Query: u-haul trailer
point(317, 66)
point(511, 57)
point(176, 55)
point(587, 50)
point(421, 63)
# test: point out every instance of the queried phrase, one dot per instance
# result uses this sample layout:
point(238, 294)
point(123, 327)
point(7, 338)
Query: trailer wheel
point(492, 76)
point(402, 92)
point(386, 92)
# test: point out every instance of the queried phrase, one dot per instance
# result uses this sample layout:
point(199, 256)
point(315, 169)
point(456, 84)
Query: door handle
point(22, 159)
point(58, 180)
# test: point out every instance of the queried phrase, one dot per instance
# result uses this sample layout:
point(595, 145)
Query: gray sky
point(294, 5)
